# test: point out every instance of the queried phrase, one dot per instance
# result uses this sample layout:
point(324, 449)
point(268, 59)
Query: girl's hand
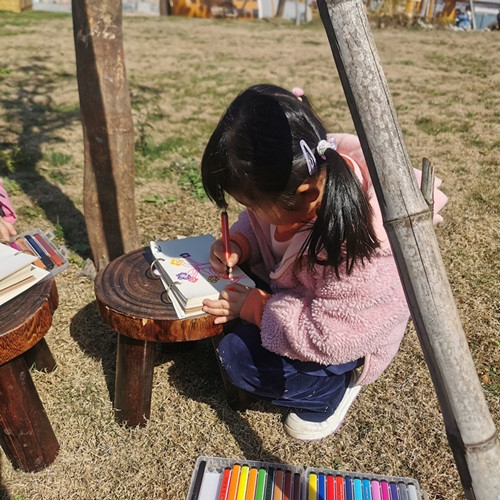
point(218, 257)
point(6, 230)
point(228, 305)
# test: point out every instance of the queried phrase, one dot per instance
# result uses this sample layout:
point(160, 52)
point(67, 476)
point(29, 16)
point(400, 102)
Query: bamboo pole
point(407, 215)
point(108, 132)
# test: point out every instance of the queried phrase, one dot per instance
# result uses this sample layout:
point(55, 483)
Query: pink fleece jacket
point(7, 209)
point(314, 316)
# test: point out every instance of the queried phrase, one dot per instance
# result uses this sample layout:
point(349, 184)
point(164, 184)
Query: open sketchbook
point(17, 272)
point(187, 275)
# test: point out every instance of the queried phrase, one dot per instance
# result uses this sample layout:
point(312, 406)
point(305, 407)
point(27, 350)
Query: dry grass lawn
point(183, 73)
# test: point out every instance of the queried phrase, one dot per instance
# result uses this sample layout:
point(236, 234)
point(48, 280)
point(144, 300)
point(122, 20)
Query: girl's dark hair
point(255, 153)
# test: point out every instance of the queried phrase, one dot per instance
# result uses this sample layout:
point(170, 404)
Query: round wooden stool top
point(135, 304)
point(26, 319)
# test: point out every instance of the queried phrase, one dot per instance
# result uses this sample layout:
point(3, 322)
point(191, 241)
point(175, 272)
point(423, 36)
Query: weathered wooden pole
point(407, 216)
point(108, 132)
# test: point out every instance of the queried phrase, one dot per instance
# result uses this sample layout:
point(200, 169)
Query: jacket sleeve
point(6, 209)
point(330, 321)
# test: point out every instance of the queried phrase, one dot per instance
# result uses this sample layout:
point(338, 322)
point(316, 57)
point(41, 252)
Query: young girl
point(7, 216)
point(334, 314)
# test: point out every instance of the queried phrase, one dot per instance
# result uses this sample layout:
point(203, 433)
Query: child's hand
point(218, 257)
point(6, 230)
point(228, 305)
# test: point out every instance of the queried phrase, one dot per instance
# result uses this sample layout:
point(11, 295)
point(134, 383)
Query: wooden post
point(108, 132)
point(407, 217)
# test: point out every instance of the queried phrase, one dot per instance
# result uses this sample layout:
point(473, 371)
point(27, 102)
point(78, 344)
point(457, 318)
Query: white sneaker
point(314, 431)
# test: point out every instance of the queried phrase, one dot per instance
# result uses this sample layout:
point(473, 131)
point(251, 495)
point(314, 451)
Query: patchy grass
point(182, 74)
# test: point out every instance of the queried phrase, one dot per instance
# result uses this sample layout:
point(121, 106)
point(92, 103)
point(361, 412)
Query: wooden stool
point(135, 305)
point(26, 435)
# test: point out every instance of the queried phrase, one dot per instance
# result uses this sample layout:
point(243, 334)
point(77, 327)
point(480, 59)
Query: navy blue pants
point(311, 389)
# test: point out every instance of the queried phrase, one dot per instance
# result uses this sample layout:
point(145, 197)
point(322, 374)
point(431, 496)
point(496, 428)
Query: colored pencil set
point(332, 485)
point(52, 259)
point(228, 479)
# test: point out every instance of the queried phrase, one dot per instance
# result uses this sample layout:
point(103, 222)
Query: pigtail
point(343, 227)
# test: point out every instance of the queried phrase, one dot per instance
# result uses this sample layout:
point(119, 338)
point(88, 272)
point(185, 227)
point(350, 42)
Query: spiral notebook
point(187, 275)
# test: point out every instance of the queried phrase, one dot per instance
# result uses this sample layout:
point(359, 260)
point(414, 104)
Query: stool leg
point(134, 380)
point(26, 435)
point(40, 357)
point(237, 399)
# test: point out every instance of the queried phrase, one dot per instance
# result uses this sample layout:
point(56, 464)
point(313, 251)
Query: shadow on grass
point(194, 372)
point(32, 120)
point(4, 494)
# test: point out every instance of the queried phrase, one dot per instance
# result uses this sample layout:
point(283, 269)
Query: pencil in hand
point(225, 239)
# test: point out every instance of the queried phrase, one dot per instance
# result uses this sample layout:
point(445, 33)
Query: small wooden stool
point(26, 435)
point(135, 305)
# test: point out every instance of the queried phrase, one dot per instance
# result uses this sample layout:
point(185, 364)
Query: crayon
point(348, 488)
point(394, 491)
point(321, 487)
point(48, 248)
point(47, 262)
point(296, 487)
point(278, 485)
point(358, 490)
point(375, 485)
point(224, 486)
point(242, 483)
point(367, 489)
point(403, 492)
point(23, 245)
point(384, 490)
point(270, 484)
point(412, 492)
point(340, 488)
point(197, 482)
point(252, 484)
point(225, 239)
point(330, 487)
point(15, 246)
point(313, 487)
point(210, 485)
point(233, 482)
point(261, 484)
point(287, 488)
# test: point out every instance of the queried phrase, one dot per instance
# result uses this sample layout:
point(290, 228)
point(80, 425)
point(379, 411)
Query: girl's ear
point(309, 191)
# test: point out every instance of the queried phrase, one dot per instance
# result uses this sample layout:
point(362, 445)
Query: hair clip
point(309, 156)
point(323, 145)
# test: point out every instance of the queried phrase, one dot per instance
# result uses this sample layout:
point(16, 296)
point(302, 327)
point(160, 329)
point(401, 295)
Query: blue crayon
point(358, 490)
point(367, 489)
point(321, 487)
point(348, 488)
point(394, 491)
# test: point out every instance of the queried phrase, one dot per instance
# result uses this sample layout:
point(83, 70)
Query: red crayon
point(330, 487)
point(224, 484)
point(339, 482)
point(225, 238)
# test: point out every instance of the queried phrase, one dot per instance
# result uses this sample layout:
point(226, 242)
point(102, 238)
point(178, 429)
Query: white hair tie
point(323, 145)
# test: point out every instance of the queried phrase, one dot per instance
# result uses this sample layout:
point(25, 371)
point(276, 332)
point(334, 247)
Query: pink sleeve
point(9, 213)
point(348, 144)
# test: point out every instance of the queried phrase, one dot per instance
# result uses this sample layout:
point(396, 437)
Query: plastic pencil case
point(322, 483)
point(40, 243)
point(214, 478)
